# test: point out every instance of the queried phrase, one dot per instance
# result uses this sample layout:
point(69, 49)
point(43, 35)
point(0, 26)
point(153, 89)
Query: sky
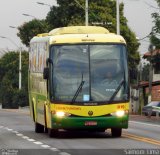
point(137, 12)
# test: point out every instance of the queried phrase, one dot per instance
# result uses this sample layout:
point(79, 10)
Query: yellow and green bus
point(68, 84)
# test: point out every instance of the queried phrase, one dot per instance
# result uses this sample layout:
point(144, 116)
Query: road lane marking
point(143, 139)
point(31, 140)
point(9, 129)
point(25, 137)
point(38, 143)
point(149, 124)
point(139, 138)
point(45, 146)
point(16, 132)
point(19, 134)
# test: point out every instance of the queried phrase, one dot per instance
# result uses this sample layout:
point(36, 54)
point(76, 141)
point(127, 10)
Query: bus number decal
point(121, 106)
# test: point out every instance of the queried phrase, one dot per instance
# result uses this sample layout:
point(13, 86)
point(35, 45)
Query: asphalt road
point(17, 136)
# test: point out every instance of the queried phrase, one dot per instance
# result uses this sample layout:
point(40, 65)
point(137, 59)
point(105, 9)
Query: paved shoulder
point(141, 118)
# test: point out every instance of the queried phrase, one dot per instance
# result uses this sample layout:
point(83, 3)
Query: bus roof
point(79, 30)
point(79, 34)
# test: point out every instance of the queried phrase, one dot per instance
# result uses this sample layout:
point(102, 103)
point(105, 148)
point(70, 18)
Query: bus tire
point(52, 132)
point(39, 128)
point(116, 132)
point(45, 129)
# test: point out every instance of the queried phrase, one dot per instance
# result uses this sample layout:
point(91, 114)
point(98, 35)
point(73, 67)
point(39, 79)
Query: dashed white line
point(16, 132)
point(25, 137)
point(39, 143)
point(9, 129)
point(35, 142)
point(31, 140)
point(45, 146)
point(19, 134)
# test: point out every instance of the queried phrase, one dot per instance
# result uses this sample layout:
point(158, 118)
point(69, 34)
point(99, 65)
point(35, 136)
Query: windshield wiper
point(78, 90)
point(115, 93)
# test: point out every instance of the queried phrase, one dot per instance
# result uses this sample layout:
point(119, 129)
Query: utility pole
point(86, 12)
point(85, 9)
point(150, 72)
point(117, 17)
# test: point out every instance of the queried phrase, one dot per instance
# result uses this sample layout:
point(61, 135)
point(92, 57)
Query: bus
point(68, 84)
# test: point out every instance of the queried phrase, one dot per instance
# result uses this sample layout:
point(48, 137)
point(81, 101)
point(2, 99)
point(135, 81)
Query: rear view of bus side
point(78, 79)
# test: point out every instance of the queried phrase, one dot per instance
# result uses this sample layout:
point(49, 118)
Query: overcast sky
point(137, 12)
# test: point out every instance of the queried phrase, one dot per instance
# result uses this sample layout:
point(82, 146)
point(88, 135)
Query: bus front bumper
point(89, 122)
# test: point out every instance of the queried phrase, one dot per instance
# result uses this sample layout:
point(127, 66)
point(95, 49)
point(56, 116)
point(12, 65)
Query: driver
point(109, 80)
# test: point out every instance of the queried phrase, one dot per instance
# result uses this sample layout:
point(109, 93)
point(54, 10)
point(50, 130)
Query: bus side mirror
point(49, 61)
point(46, 73)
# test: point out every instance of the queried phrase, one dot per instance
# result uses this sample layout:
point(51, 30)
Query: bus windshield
point(89, 73)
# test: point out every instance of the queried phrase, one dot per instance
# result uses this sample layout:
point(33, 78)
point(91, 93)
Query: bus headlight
point(60, 113)
point(119, 113)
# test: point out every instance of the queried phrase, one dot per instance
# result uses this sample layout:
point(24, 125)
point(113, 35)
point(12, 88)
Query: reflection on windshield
point(103, 68)
point(107, 70)
point(70, 63)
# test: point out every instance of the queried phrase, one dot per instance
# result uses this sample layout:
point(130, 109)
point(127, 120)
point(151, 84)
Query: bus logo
point(90, 113)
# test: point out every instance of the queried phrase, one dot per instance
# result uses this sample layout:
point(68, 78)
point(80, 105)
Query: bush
point(10, 95)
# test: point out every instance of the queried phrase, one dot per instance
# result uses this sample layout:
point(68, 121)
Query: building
point(154, 58)
point(139, 92)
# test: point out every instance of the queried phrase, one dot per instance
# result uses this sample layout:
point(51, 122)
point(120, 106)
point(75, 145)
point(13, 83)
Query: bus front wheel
point(52, 132)
point(116, 132)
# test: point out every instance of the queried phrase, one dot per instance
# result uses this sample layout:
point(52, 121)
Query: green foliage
point(101, 11)
point(10, 95)
point(30, 29)
point(155, 41)
point(145, 72)
point(72, 12)
point(154, 37)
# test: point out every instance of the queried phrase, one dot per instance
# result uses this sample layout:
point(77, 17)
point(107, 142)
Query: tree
point(101, 11)
point(71, 12)
point(154, 36)
point(145, 72)
point(28, 30)
point(10, 95)
point(155, 40)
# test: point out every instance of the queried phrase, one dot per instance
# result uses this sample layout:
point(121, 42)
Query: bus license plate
point(90, 123)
